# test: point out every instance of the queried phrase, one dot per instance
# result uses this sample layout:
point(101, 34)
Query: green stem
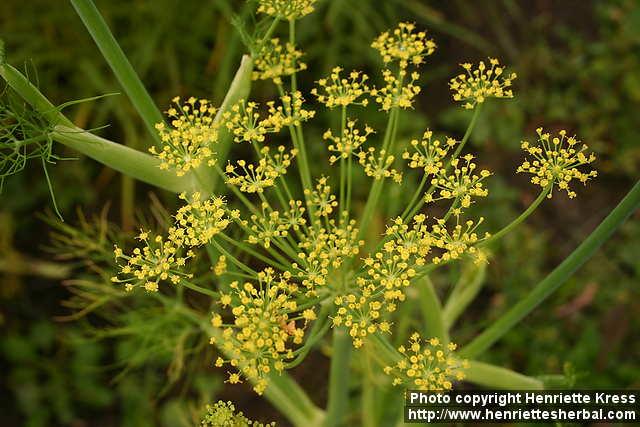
point(246, 248)
point(339, 378)
point(136, 164)
point(376, 188)
point(349, 183)
point(431, 309)
point(234, 260)
point(464, 291)
point(23, 87)
point(292, 401)
point(385, 352)
point(119, 64)
point(495, 377)
point(239, 89)
point(119, 157)
point(270, 31)
point(404, 318)
point(415, 196)
point(463, 142)
point(467, 134)
point(343, 170)
point(303, 159)
point(319, 329)
point(557, 277)
point(369, 409)
point(292, 40)
point(200, 289)
point(524, 215)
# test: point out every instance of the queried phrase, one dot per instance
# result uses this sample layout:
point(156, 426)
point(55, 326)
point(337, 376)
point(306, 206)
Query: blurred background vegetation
point(579, 68)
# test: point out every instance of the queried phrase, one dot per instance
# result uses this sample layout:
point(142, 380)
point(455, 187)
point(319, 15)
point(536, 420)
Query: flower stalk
point(431, 308)
point(120, 65)
point(629, 204)
point(339, 378)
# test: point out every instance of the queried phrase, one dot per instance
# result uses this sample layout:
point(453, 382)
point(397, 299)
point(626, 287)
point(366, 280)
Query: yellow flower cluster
point(188, 142)
point(350, 140)
point(462, 240)
point(201, 220)
point(223, 414)
point(556, 161)
point(428, 154)
point(390, 270)
point(378, 167)
point(319, 248)
point(286, 9)
point(323, 249)
point(386, 274)
point(395, 93)
point(404, 45)
point(263, 175)
point(461, 184)
point(257, 339)
point(275, 61)
point(294, 217)
point(267, 227)
point(221, 266)
point(361, 314)
point(427, 365)
point(271, 224)
point(244, 122)
point(322, 198)
point(163, 259)
point(480, 83)
point(289, 113)
point(159, 260)
point(341, 91)
point(254, 179)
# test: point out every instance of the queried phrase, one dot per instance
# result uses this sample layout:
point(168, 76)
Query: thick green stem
point(339, 378)
point(303, 159)
point(431, 309)
point(369, 409)
point(292, 401)
point(552, 282)
point(119, 64)
point(495, 377)
point(239, 89)
point(134, 163)
point(292, 40)
point(464, 291)
point(23, 87)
